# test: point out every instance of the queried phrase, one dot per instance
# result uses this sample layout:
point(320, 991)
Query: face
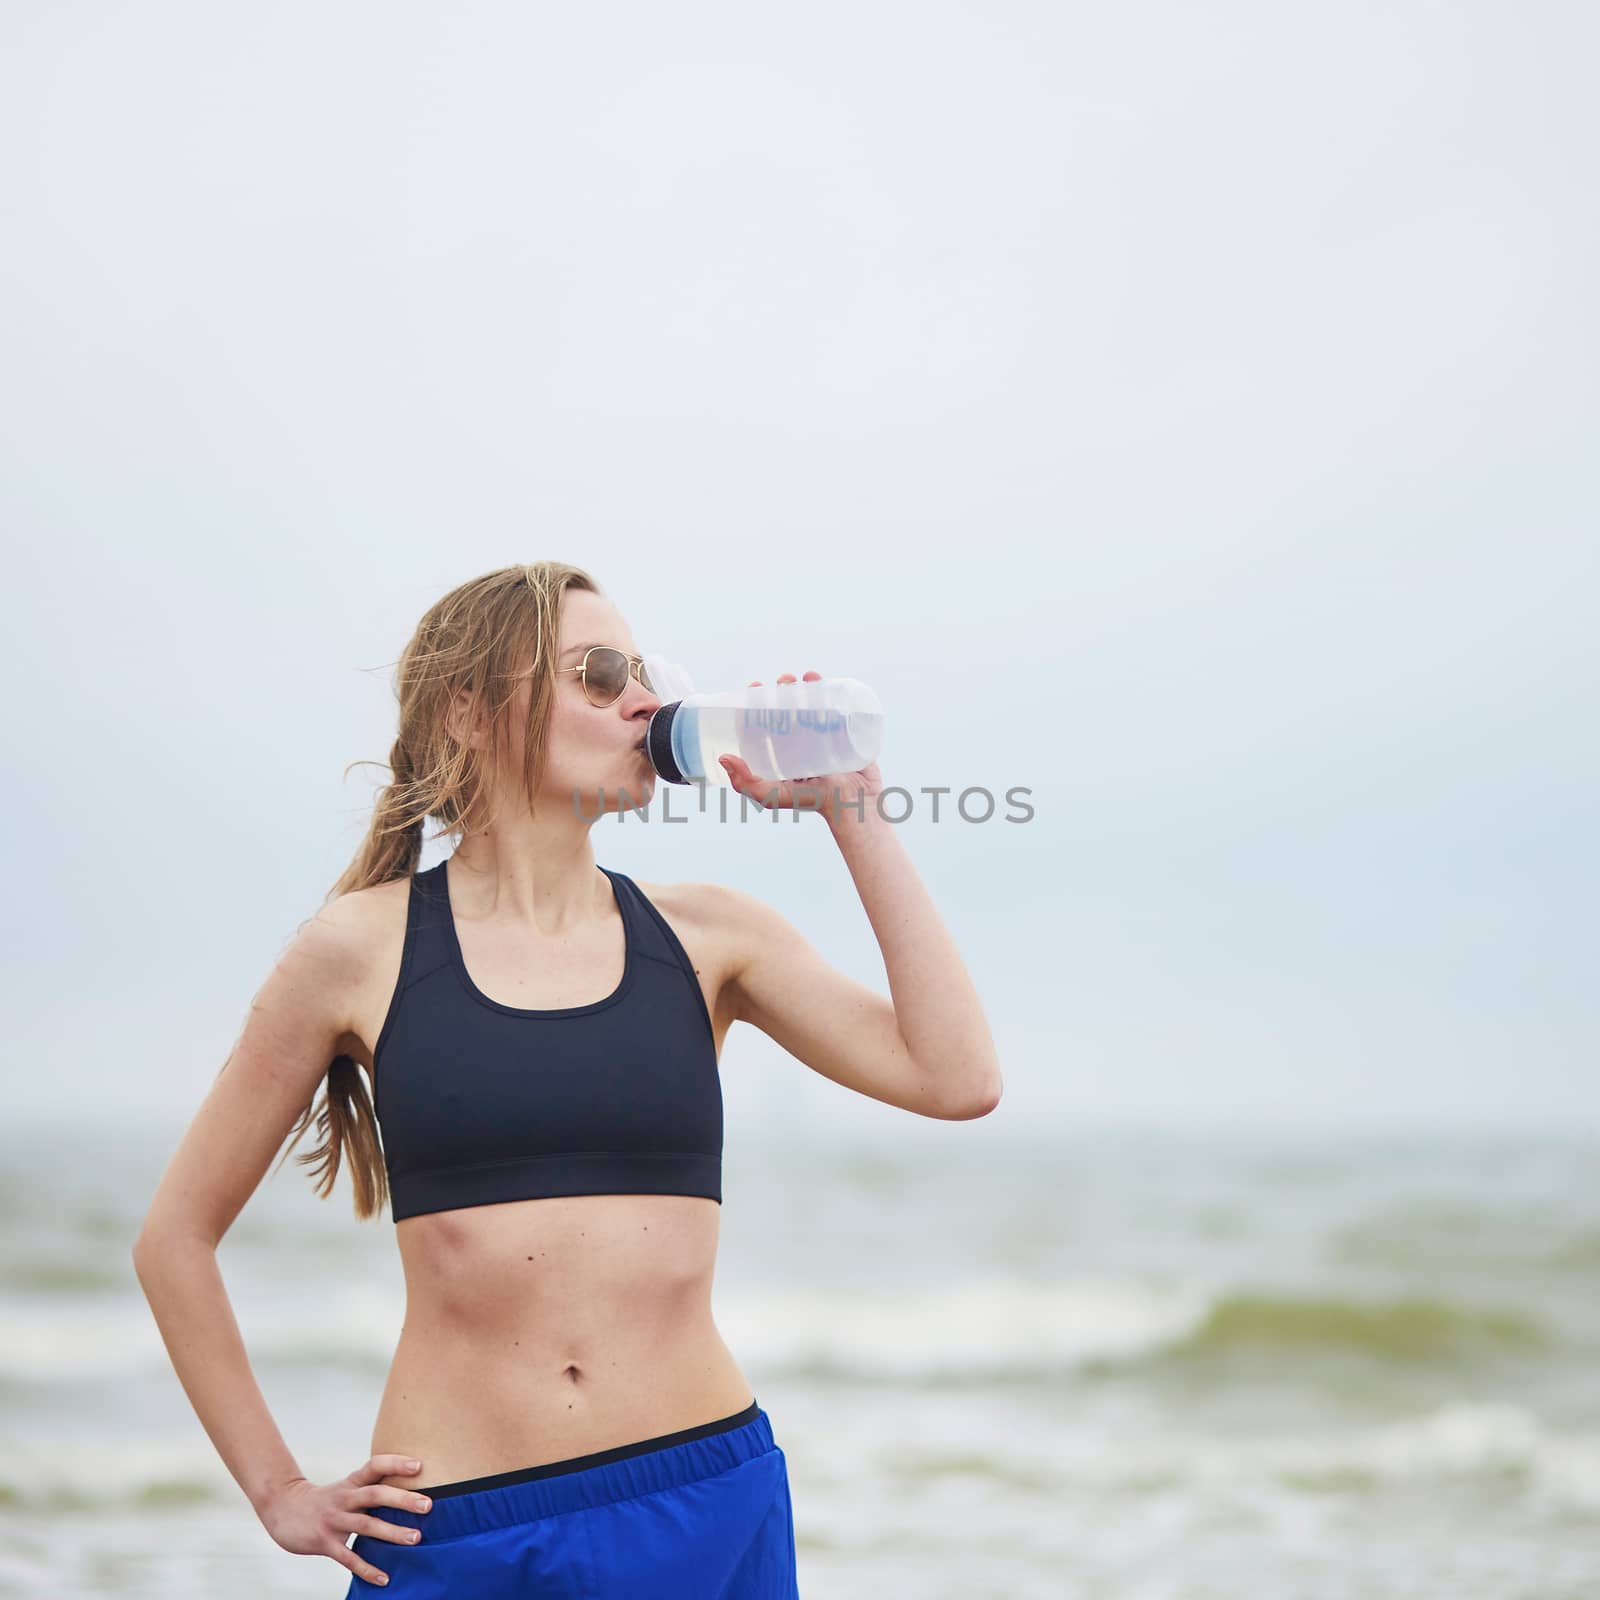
point(595, 750)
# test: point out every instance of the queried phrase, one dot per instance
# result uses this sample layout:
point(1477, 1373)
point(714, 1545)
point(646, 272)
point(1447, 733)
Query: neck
point(546, 884)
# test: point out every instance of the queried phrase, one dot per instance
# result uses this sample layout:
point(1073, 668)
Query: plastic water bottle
point(779, 730)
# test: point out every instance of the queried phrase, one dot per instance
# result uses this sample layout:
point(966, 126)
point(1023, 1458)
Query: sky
point(1185, 414)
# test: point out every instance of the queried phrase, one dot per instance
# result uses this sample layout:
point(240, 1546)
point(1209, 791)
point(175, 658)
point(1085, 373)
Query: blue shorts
point(702, 1514)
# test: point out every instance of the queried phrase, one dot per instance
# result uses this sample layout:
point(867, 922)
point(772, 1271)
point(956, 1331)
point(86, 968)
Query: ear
point(461, 719)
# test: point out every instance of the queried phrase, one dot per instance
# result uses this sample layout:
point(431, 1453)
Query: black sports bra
point(480, 1102)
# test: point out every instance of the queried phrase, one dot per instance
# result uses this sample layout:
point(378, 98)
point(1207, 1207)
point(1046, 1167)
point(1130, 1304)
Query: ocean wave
point(1500, 1448)
point(987, 1329)
point(1407, 1329)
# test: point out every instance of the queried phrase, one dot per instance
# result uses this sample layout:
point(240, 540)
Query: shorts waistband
point(621, 1474)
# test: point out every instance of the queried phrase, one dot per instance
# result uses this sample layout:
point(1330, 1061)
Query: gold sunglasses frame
point(635, 670)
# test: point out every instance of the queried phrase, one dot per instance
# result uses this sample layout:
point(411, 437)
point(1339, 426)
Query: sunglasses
point(605, 671)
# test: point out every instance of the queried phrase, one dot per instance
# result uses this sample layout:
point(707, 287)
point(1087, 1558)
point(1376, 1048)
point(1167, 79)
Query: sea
point(1003, 1360)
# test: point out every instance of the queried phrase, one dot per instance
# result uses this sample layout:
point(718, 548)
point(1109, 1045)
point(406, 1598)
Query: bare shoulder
point(355, 923)
point(367, 929)
point(712, 912)
point(715, 925)
point(731, 926)
point(297, 1019)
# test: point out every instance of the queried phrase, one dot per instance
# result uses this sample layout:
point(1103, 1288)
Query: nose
point(645, 703)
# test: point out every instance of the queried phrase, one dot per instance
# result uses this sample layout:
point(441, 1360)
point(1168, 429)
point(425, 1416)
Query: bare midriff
point(539, 1330)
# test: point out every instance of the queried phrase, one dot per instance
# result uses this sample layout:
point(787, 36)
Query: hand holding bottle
point(834, 794)
point(779, 738)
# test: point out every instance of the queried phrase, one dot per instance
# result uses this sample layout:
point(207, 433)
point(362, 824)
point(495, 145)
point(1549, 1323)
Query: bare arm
point(936, 1004)
point(183, 1284)
point(927, 1049)
point(294, 1024)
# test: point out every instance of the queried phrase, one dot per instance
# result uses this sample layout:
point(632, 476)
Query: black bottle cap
point(658, 743)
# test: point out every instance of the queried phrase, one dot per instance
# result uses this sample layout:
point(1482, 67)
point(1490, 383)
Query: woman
point(542, 1039)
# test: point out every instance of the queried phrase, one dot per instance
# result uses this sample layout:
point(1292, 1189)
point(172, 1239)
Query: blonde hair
point(480, 638)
